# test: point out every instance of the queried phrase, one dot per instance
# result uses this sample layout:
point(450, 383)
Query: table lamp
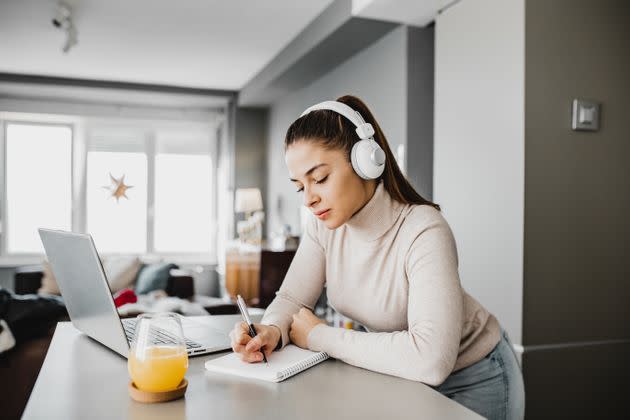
point(249, 201)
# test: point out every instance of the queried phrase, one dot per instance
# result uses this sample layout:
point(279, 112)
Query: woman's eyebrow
point(307, 173)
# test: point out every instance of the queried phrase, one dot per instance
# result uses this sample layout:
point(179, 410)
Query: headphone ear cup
point(355, 160)
point(361, 159)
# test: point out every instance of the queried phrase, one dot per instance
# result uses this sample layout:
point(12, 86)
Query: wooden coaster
point(154, 397)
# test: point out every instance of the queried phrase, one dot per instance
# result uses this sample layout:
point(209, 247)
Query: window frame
point(80, 146)
point(28, 119)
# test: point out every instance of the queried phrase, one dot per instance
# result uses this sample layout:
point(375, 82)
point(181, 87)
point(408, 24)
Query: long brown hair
point(336, 132)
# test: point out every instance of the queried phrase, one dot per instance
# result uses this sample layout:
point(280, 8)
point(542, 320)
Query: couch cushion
point(121, 272)
point(153, 277)
point(49, 283)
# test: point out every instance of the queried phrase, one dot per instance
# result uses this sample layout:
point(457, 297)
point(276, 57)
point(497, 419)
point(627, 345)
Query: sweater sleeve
point(428, 350)
point(302, 285)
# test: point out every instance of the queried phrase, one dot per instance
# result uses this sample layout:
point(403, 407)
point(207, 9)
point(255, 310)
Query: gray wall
point(479, 148)
point(577, 272)
point(250, 147)
point(378, 75)
point(577, 225)
point(420, 85)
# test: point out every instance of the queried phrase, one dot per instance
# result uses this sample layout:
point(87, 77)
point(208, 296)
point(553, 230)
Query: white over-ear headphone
point(367, 157)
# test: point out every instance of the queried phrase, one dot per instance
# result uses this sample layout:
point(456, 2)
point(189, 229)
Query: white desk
point(81, 379)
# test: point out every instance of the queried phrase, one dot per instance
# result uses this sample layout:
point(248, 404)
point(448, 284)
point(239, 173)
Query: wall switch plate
point(585, 115)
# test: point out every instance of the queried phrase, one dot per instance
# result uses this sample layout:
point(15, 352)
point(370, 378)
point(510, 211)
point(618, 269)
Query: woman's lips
point(323, 214)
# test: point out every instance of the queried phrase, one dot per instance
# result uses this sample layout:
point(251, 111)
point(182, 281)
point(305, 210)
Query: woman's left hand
point(303, 322)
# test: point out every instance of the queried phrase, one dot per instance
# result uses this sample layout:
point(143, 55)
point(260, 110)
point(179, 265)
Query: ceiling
point(408, 12)
point(209, 44)
point(204, 44)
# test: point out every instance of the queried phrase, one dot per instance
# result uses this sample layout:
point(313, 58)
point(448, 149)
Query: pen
point(252, 331)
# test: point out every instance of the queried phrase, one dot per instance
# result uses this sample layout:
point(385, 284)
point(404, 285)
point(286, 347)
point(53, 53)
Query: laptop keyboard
point(157, 336)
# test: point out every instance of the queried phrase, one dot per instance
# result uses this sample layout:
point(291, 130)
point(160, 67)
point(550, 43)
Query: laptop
point(88, 298)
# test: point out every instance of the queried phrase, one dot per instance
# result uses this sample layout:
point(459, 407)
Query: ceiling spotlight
point(63, 20)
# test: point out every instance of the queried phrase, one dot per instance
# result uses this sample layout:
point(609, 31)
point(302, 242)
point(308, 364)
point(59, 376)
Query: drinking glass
point(158, 358)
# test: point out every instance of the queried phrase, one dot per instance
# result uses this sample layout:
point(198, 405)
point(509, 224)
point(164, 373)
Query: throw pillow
point(153, 277)
point(49, 283)
point(121, 272)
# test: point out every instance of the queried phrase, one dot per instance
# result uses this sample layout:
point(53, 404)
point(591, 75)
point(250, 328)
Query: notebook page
point(280, 361)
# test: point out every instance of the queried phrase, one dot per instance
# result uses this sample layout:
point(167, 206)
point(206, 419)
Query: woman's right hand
point(248, 348)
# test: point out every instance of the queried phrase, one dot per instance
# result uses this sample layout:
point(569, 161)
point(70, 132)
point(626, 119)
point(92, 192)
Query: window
point(38, 183)
point(117, 225)
point(167, 208)
point(61, 176)
point(183, 216)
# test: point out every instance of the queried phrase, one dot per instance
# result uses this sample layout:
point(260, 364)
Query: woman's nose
point(310, 199)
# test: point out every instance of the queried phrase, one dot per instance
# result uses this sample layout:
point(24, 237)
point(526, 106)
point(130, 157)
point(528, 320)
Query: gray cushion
point(153, 277)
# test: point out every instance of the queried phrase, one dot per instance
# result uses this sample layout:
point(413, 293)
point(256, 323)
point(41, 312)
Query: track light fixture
point(63, 20)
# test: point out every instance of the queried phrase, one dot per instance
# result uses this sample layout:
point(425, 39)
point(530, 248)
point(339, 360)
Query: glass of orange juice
point(158, 358)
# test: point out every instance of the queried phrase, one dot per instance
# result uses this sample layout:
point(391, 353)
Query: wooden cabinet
point(255, 273)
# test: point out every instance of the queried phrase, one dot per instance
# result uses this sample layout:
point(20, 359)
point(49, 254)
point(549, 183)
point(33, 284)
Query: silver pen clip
point(243, 308)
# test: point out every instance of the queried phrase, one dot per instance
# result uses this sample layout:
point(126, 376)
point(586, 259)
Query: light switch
point(585, 115)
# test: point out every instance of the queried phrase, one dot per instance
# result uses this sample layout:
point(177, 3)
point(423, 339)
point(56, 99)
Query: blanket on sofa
point(158, 301)
point(27, 316)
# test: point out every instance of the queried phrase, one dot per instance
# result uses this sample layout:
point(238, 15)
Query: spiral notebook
point(283, 364)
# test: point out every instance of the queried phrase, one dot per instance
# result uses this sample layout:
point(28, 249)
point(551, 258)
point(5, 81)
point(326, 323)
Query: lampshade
point(248, 200)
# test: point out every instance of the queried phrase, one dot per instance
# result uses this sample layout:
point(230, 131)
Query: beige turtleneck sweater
point(393, 268)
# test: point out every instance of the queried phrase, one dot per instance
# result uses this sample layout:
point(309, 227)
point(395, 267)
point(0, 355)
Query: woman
point(389, 262)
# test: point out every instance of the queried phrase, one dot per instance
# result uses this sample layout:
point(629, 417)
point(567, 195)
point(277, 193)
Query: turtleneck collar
point(377, 216)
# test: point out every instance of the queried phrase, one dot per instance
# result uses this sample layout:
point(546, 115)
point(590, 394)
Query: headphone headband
point(364, 130)
point(340, 108)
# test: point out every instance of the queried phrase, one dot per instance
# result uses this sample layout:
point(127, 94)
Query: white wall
point(377, 75)
point(479, 148)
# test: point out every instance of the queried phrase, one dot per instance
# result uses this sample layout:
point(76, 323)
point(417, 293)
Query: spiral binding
point(303, 365)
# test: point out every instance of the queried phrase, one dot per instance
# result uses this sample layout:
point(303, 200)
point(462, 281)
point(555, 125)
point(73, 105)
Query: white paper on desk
point(283, 364)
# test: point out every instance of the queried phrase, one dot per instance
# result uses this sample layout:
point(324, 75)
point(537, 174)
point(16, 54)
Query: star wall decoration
point(118, 188)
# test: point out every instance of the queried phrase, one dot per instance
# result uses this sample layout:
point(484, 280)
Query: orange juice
point(158, 368)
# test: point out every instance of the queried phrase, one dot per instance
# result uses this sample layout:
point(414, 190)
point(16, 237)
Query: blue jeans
point(492, 387)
